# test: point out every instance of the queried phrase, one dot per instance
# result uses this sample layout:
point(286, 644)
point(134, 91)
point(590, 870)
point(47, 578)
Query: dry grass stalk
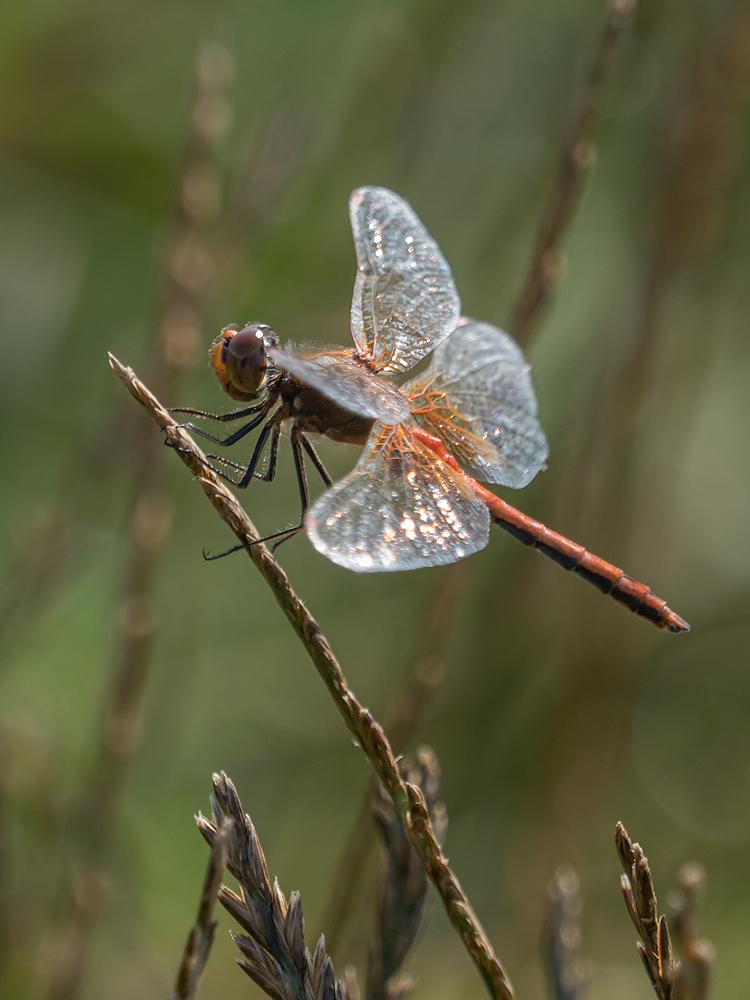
point(407, 713)
point(576, 158)
point(267, 164)
point(273, 949)
point(403, 890)
point(202, 933)
point(408, 799)
point(696, 954)
point(686, 978)
point(6, 866)
point(567, 975)
point(351, 985)
point(700, 167)
point(186, 283)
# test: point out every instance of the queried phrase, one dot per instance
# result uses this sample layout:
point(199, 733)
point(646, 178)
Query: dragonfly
point(415, 497)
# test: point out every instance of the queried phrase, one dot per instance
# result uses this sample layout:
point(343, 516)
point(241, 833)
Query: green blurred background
point(560, 713)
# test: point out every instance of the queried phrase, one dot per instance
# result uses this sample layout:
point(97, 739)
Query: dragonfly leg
point(231, 438)
point(226, 461)
point(299, 441)
point(235, 548)
point(243, 411)
point(223, 475)
point(315, 458)
point(284, 535)
point(299, 465)
point(273, 457)
point(304, 493)
point(269, 427)
point(275, 430)
point(249, 472)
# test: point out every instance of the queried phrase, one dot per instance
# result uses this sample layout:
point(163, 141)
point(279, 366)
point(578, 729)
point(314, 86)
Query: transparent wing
point(477, 396)
point(405, 302)
point(350, 385)
point(399, 508)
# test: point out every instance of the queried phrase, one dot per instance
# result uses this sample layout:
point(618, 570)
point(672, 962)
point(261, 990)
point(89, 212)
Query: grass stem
point(577, 156)
point(369, 735)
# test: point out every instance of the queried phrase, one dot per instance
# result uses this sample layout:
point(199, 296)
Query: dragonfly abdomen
point(609, 579)
point(604, 576)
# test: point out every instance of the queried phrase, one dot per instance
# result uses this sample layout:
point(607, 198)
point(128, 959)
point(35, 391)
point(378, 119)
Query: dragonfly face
point(239, 358)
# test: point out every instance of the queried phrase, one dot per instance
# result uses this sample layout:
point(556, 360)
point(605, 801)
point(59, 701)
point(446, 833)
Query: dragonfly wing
point(399, 508)
point(347, 383)
point(405, 301)
point(477, 396)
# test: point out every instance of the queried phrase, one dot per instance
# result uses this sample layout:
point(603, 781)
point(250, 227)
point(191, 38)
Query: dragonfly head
point(239, 358)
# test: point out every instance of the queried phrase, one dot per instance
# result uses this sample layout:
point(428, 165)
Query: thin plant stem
point(577, 156)
point(701, 163)
point(697, 955)
point(568, 976)
point(266, 165)
point(184, 295)
point(6, 868)
point(369, 735)
point(202, 933)
point(410, 705)
point(402, 897)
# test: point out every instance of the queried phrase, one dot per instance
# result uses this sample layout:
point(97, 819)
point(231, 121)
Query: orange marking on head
point(218, 351)
point(218, 363)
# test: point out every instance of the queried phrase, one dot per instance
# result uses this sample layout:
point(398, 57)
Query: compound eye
point(246, 358)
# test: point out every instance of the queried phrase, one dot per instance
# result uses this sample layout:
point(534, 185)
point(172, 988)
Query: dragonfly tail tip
point(676, 624)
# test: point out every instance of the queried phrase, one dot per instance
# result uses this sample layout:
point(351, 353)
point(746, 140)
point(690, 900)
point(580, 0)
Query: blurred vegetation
point(559, 713)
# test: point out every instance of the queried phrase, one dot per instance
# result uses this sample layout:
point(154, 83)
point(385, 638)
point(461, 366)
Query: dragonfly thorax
point(240, 361)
